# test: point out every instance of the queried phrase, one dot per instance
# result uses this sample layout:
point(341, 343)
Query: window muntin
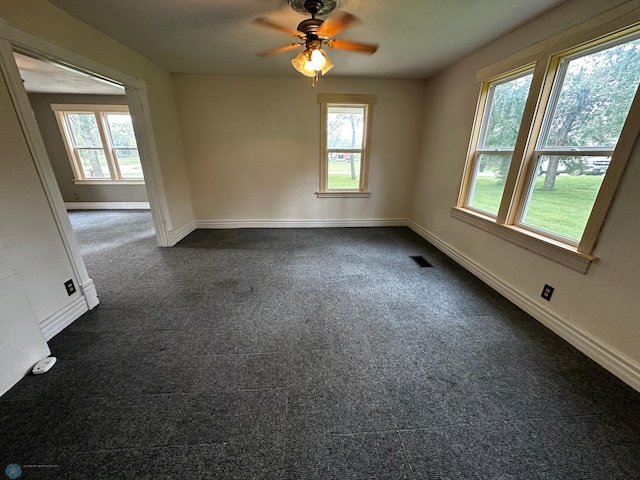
point(100, 142)
point(593, 155)
point(589, 103)
point(345, 143)
point(504, 105)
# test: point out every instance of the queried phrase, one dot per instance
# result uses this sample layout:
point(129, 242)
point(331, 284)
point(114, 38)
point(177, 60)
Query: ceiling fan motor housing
point(313, 44)
point(309, 26)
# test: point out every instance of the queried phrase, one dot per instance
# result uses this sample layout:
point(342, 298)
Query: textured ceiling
point(417, 37)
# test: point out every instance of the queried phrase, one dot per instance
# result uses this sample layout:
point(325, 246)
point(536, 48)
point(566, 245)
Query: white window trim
point(545, 56)
point(346, 99)
point(100, 111)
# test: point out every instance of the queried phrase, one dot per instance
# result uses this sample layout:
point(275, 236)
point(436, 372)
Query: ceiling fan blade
point(266, 23)
point(277, 50)
point(359, 47)
point(336, 23)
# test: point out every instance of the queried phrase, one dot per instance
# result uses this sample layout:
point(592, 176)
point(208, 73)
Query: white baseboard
point(54, 324)
point(106, 205)
point(177, 235)
point(88, 289)
point(379, 222)
point(611, 359)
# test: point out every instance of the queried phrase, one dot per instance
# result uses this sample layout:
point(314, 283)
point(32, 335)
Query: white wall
point(28, 231)
point(43, 20)
point(252, 148)
point(21, 343)
point(598, 311)
point(33, 261)
point(27, 227)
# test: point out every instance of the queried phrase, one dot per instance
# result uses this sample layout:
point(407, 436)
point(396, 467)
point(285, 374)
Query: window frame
point(100, 112)
point(327, 100)
point(482, 115)
point(546, 60)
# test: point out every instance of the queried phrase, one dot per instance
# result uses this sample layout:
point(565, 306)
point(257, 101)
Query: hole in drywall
point(420, 260)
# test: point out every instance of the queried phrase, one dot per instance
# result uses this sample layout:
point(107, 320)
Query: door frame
point(136, 94)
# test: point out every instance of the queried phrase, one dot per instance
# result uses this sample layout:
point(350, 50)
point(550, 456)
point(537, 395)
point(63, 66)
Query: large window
point(100, 143)
point(346, 137)
point(544, 160)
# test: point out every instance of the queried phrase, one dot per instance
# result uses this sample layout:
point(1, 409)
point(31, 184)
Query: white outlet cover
point(44, 365)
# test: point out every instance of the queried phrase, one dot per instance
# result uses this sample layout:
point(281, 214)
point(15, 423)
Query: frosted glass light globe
point(317, 61)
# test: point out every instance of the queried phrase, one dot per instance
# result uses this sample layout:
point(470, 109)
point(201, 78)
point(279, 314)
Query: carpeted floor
point(308, 354)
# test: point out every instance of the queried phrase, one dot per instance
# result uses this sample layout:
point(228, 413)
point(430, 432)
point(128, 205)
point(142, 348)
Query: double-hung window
point(345, 144)
point(504, 105)
point(549, 147)
point(588, 105)
point(100, 143)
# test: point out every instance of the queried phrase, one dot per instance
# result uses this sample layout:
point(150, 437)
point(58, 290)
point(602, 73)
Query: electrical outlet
point(75, 196)
point(71, 288)
point(547, 291)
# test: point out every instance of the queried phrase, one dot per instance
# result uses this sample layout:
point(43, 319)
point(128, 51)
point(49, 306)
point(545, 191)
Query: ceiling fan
point(313, 33)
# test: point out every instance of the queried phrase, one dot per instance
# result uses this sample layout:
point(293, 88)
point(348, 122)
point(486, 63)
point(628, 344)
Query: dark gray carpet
point(308, 354)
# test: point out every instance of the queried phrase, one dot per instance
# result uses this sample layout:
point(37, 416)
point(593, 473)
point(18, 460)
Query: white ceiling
point(417, 37)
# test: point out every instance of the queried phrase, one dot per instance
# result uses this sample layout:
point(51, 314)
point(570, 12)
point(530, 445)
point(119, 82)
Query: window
point(345, 144)
point(500, 124)
point(544, 161)
point(589, 103)
point(100, 143)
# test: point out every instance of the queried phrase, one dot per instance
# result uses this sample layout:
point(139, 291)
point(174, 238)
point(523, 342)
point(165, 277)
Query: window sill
point(343, 194)
point(558, 252)
point(108, 182)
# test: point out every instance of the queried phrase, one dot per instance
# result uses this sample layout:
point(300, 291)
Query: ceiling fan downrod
point(313, 7)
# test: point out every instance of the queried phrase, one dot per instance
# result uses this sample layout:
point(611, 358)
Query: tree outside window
point(588, 107)
point(345, 135)
point(505, 102)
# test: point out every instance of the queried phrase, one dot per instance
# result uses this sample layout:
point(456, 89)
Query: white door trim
point(138, 104)
point(137, 100)
point(43, 166)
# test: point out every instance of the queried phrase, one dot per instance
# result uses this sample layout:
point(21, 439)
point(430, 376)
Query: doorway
point(87, 131)
point(12, 41)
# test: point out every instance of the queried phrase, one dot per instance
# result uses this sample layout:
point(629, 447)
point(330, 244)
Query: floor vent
point(420, 260)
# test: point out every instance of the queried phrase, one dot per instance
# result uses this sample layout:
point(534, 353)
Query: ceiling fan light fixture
point(300, 63)
point(328, 65)
point(317, 60)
